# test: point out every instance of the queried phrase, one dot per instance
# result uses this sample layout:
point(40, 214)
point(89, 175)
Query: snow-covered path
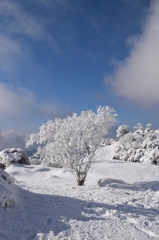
point(51, 206)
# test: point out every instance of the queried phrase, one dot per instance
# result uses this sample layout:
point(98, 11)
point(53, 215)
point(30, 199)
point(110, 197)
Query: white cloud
point(12, 103)
point(11, 138)
point(19, 109)
point(137, 78)
point(19, 104)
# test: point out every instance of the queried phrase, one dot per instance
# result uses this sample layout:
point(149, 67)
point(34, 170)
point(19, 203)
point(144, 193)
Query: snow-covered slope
point(51, 205)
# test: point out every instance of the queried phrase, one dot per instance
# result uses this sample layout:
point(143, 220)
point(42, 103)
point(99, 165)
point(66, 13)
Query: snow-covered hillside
point(50, 205)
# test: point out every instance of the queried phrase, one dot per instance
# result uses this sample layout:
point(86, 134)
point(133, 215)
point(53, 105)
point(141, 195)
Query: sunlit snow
point(50, 205)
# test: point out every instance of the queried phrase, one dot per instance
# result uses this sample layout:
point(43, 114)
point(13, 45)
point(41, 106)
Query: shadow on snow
point(35, 213)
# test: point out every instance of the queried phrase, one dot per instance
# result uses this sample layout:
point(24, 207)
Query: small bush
point(13, 155)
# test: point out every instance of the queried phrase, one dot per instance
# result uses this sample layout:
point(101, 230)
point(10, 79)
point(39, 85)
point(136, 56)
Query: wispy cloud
point(13, 102)
point(19, 104)
point(137, 77)
point(10, 53)
point(17, 27)
point(16, 20)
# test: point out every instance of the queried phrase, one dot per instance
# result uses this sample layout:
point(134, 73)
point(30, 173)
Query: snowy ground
point(51, 206)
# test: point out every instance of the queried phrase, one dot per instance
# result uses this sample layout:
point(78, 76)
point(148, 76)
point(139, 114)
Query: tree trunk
point(81, 182)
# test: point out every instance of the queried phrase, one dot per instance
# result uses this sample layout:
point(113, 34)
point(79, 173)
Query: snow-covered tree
point(142, 145)
point(72, 142)
point(139, 127)
point(122, 130)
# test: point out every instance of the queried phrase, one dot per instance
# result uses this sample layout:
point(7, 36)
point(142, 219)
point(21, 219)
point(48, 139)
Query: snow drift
point(7, 189)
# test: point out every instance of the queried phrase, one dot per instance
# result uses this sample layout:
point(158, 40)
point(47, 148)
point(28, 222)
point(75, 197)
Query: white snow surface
point(50, 205)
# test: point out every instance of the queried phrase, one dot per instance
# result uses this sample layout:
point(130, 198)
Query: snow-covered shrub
point(13, 155)
point(122, 130)
point(7, 192)
point(107, 141)
point(2, 166)
point(72, 142)
point(142, 145)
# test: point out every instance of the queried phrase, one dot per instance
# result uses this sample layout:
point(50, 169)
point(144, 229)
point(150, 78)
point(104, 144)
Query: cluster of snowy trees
point(142, 145)
point(72, 142)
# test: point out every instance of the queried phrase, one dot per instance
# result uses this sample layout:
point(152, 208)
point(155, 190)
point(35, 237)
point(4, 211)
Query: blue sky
point(63, 56)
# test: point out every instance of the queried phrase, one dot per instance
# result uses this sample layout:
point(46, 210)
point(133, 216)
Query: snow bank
point(106, 182)
point(7, 189)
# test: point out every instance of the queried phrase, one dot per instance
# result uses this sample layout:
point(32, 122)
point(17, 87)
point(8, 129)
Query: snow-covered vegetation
point(7, 190)
point(122, 130)
point(73, 141)
point(13, 155)
point(107, 141)
point(142, 145)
